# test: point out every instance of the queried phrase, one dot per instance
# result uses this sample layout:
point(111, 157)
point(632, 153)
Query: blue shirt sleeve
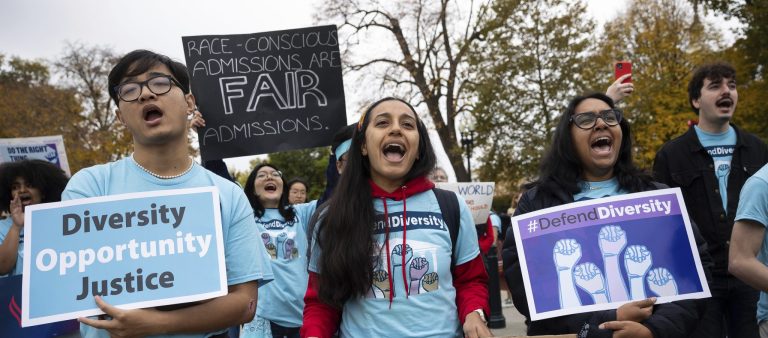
point(753, 201)
point(245, 257)
point(496, 222)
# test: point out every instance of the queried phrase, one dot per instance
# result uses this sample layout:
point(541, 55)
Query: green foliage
point(525, 72)
point(750, 58)
point(665, 40)
point(30, 106)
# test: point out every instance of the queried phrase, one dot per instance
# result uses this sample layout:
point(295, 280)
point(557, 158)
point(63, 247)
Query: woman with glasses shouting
point(591, 157)
point(283, 230)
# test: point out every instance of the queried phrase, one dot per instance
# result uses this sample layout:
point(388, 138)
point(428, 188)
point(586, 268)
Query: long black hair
point(258, 209)
point(561, 169)
point(345, 231)
point(43, 175)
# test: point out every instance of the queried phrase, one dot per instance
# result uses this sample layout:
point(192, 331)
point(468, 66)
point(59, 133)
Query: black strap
point(449, 207)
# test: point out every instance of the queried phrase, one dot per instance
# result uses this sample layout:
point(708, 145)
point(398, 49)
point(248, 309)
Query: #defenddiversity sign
point(135, 250)
point(266, 92)
point(599, 254)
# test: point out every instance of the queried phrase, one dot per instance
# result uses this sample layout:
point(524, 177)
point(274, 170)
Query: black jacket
point(683, 162)
point(676, 319)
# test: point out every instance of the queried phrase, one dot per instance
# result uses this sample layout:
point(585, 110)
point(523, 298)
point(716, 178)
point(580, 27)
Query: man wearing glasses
point(153, 101)
point(710, 164)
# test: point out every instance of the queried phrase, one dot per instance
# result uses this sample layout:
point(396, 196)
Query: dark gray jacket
point(683, 162)
point(675, 319)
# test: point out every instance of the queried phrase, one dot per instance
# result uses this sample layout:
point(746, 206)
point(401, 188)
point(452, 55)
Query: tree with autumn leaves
point(507, 65)
point(77, 107)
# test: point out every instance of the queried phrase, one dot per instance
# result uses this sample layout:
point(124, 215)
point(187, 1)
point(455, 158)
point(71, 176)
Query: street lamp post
point(467, 141)
point(496, 319)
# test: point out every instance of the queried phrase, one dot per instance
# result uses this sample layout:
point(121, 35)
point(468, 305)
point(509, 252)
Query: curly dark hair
point(715, 72)
point(42, 175)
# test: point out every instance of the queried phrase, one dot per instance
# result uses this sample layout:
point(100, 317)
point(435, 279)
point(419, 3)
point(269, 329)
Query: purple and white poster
point(599, 254)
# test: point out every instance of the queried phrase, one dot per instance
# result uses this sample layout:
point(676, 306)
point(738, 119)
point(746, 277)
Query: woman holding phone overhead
point(380, 259)
point(591, 157)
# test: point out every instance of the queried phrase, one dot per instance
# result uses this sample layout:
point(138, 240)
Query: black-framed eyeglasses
point(588, 120)
point(158, 85)
point(262, 175)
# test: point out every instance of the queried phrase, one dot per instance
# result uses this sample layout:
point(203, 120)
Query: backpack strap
point(449, 208)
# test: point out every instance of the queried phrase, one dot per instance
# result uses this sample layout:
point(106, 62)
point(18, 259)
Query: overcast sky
point(39, 29)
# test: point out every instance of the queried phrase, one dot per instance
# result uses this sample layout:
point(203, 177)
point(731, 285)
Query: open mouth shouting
point(152, 114)
point(602, 145)
point(394, 151)
point(270, 187)
point(725, 104)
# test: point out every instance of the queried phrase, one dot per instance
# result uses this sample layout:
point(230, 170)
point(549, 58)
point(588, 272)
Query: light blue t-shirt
point(282, 301)
point(753, 205)
point(244, 261)
point(495, 222)
point(430, 307)
point(599, 189)
point(5, 226)
point(720, 147)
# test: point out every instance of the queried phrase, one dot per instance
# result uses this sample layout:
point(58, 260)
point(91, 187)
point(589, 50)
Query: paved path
point(515, 322)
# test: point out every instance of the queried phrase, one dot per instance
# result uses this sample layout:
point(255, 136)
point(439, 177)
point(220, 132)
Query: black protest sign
point(266, 92)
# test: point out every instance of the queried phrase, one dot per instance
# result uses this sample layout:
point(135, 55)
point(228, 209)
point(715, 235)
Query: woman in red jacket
point(382, 257)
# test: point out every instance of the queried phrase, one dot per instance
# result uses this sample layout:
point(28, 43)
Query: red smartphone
point(622, 67)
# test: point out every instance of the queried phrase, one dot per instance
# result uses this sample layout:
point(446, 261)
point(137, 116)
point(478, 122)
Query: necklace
point(164, 177)
point(592, 187)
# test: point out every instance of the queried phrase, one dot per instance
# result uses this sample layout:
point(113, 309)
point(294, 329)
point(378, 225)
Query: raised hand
point(590, 279)
point(196, 119)
point(381, 282)
point(398, 252)
point(271, 250)
point(17, 212)
point(430, 281)
point(661, 282)
point(289, 248)
point(566, 253)
point(637, 260)
point(266, 238)
point(418, 267)
point(612, 240)
point(618, 91)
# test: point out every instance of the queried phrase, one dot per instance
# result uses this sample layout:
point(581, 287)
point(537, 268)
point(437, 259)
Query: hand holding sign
point(627, 329)
point(125, 323)
point(636, 311)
